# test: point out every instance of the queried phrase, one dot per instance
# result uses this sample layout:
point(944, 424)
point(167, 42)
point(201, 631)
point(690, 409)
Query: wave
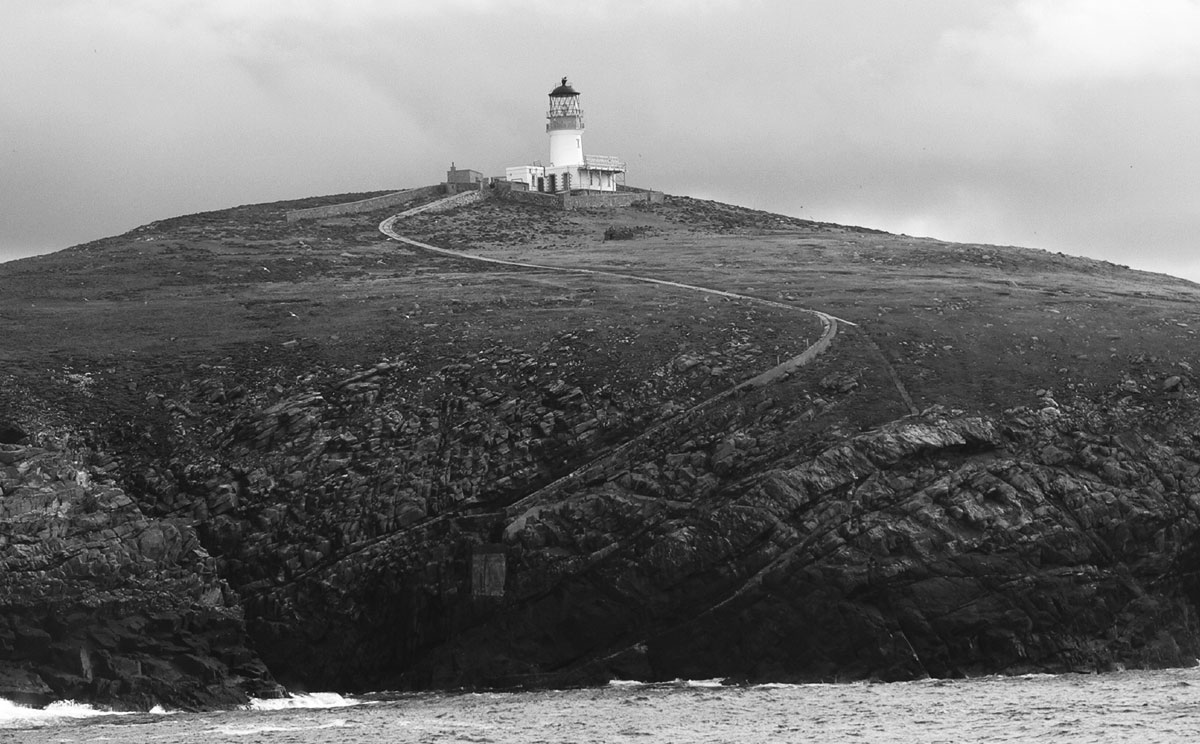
point(715, 682)
point(724, 683)
point(627, 683)
point(14, 714)
point(304, 700)
point(253, 730)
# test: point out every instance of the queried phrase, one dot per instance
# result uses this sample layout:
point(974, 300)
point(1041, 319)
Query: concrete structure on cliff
point(569, 169)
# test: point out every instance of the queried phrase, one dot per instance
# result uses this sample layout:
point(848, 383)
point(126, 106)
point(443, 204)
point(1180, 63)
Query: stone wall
point(605, 200)
point(365, 205)
point(450, 202)
point(578, 200)
point(539, 198)
point(458, 188)
point(472, 192)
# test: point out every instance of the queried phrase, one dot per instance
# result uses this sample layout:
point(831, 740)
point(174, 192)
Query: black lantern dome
point(563, 91)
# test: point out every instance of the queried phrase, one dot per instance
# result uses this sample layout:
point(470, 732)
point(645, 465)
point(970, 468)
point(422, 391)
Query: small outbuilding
point(466, 176)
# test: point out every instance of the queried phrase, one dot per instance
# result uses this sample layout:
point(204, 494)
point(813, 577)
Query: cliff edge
point(240, 451)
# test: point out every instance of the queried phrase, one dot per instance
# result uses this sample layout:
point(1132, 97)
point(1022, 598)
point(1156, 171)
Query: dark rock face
point(943, 546)
point(474, 488)
point(734, 544)
point(99, 602)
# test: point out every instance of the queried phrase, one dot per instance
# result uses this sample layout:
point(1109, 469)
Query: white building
point(569, 168)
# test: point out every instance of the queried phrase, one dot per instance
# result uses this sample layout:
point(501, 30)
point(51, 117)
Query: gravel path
point(829, 331)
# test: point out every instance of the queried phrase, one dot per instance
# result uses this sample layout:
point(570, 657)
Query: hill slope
point(235, 450)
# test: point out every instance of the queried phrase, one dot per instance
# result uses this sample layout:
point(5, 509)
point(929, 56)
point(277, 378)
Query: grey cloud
point(896, 116)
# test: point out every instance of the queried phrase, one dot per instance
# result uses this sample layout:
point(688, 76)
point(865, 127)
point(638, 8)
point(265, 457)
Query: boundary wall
point(458, 188)
point(582, 199)
point(365, 205)
point(608, 199)
point(540, 198)
point(475, 192)
point(450, 202)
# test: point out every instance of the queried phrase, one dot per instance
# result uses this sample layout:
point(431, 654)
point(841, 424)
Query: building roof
point(563, 90)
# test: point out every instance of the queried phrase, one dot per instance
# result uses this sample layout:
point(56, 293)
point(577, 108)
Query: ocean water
point(1141, 706)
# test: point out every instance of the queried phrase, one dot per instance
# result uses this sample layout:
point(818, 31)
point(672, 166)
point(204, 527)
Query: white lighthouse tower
point(569, 169)
point(564, 124)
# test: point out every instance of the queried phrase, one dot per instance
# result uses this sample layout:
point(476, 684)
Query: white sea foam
point(12, 714)
point(1129, 706)
point(304, 700)
point(715, 682)
point(1036, 675)
point(267, 728)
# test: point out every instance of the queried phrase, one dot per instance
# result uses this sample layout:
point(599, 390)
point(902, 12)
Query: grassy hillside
point(991, 468)
point(968, 326)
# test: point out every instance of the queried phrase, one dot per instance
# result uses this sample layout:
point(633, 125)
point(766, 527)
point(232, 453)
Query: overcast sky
point(1069, 125)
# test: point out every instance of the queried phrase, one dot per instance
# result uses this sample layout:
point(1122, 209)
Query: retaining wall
point(474, 192)
point(582, 200)
point(449, 202)
point(364, 205)
point(540, 198)
point(609, 199)
point(458, 188)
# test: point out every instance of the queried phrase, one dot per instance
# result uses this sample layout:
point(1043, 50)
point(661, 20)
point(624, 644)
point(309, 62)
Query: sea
point(1129, 706)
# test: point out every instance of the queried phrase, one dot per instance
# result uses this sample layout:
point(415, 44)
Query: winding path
point(829, 331)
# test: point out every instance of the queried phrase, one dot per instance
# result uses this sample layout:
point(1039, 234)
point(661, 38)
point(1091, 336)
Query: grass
point(968, 326)
point(965, 326)
point(190, 348)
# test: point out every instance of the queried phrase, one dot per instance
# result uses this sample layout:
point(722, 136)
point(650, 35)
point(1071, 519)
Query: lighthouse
point(569, 169)
point(564, 124)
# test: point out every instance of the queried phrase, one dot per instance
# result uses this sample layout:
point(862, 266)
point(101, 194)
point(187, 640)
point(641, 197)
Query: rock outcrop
point(376, 469)
point(944, 545)
point(99, 602)
point(749, 543)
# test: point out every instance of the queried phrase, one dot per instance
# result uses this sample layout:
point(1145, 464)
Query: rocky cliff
point(100, 602)
point(255, 445)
